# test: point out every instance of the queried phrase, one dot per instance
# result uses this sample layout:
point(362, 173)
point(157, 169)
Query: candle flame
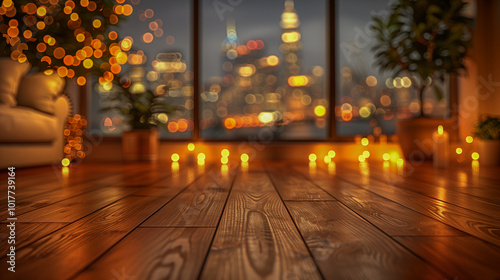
point(440, 130)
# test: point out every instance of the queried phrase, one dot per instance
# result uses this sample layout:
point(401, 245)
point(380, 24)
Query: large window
point(367, 101)
point(263, 65)
point(160, 59)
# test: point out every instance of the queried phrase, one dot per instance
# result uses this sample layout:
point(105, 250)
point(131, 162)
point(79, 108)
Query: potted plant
point(488, 132)
point(144, 111)
point(425, 41)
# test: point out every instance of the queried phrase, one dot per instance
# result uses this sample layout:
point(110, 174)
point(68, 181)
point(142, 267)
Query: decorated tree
point(72, 38)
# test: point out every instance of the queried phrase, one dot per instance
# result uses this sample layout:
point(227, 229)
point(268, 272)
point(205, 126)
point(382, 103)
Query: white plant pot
point(489, 152)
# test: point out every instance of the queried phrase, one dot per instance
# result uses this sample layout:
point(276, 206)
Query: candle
point(190, 155)
point(440, 141)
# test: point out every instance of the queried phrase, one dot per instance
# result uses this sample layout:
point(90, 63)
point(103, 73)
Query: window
point(161, 36)
point(370, 102)
point(264, 65)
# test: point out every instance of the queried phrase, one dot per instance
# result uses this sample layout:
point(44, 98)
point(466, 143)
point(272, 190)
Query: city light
point(298, 81)
point(320, 110)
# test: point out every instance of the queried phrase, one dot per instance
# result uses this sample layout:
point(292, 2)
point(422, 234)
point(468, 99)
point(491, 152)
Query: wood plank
point(67, 251)
point(256, 238)
point(460, 257)
point(27, 203)
point(26, 233)
point(347, 247)
point(199, 205)
point(154, 253)
point(392, 218)
point(471, 222)
point(74, 208)
point(293, 187)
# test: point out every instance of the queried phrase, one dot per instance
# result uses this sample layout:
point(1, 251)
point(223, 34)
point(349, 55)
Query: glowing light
point(97, 23)
point(246, 71)
point(459, 151)
point(290, 37)
point(65, 162)
point(191, 147)
point(244, 157)
point(327, 159)
point(366, 154)
point(320, 110)
point(265, 117)
point(81, 81)
point(386, 156)
point(147, 38)
point(440, 130)
point(41, 11)
point(74, 16)
point(331, 153)
point(88, 63)
point(175, 157)
point(371, 81)
point(400, 162)
point(365, 142)
point(201, 162)
point(224, 153)
point(469, 139)
point(201, 156)
point(298, 81)
point(272, 60)
point(229, 123)
point(361, 158)
point(224, 160)
point(394, 156)
point(475, 156)
point(364, 112)
point(313, 157)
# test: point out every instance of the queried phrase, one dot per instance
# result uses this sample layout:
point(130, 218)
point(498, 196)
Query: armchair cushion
point(39, 91)
point(26, 125)
point(11, 73)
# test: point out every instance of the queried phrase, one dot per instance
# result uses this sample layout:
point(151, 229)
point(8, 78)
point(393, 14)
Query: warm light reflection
point(331, 154)
point(440, 130)
point(65, 172)
point(201, 156)
point(224, 160)
point(175, 167)
point(332, 168)
point(312, 168)
point(224, 153)
point(244, 166)
point(327, 159)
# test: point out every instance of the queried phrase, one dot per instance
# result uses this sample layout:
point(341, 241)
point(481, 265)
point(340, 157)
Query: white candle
point(441, 144)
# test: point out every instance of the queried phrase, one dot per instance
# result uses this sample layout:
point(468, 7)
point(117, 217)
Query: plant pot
point(415, 136)
point(141, 145)
point(489, 152)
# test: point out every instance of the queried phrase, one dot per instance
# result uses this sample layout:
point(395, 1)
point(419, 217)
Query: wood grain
point(462, 257)
point(26, 233)
point(67, 251)
point(347, 247)
point(293, 187)
point(471, 222)
point(256, 238)
point(392, 218)
point(199, 205)
point(154, 253)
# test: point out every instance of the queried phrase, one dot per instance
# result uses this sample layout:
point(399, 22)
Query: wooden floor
point(270, 220)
